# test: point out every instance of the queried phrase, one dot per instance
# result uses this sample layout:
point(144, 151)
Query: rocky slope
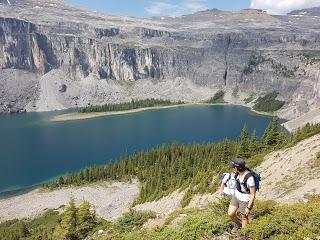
point(75, 57)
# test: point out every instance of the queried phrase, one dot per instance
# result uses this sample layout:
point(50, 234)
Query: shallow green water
point(33, 151)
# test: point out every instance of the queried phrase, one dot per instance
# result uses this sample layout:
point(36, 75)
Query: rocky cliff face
point(91, 54)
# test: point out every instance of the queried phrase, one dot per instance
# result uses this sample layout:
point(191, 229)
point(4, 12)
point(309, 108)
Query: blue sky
point(149, 8)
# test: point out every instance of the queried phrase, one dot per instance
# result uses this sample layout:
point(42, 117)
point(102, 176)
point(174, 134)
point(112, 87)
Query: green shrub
point(186, 198)
point(286, 222)
point(262, 208)
point(133, 220)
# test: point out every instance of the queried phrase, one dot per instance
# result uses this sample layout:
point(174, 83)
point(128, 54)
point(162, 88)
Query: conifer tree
point(69, 222)
point(86, 220)
point(253, 143)
point(282, 136)
point(244, 143)
point(270, 136)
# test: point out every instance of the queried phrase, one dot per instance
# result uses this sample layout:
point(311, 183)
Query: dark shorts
point(239, 204)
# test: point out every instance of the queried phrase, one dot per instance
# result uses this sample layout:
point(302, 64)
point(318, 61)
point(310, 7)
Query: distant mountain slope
point(315, 11)
point(214, 49)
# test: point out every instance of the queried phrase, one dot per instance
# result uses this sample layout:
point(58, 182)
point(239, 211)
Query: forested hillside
point(167, 168)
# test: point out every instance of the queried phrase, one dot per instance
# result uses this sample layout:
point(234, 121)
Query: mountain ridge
point(249, 49)
point(315, 11)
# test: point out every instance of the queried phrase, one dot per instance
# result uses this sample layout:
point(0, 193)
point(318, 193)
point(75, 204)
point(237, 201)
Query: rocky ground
point(110, 200)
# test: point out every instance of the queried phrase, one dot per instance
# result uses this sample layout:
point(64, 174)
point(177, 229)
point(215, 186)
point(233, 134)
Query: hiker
point(244, 196)
point(228, 183)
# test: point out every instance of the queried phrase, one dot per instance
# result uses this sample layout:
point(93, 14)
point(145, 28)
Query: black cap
point(240, 163)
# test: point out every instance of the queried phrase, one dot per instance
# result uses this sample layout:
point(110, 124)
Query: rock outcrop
point(248, 49)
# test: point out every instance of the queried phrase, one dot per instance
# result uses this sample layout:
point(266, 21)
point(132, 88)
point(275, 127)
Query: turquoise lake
point(33, 150)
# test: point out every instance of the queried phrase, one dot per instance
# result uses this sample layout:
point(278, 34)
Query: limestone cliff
point(100, 58)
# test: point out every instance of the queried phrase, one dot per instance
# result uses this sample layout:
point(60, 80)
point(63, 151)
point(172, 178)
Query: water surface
point(33, 150)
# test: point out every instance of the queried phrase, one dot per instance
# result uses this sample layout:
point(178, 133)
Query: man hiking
point(244, 196)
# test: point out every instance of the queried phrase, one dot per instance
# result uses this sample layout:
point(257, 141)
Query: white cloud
point(195, 6)
point(283, 6)
point(157, 8)
point(165, 8)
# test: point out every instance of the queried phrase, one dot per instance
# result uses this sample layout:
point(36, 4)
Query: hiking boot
point(235, 228)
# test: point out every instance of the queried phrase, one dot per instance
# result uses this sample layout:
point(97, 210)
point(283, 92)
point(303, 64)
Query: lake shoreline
point(74, 116)
point(61, 135)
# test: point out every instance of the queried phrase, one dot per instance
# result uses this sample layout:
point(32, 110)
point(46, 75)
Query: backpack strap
point(225, 184)
point(245, 180)
point(244, 183)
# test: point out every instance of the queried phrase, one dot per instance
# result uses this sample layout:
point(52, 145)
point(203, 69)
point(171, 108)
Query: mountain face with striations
point(57, 56)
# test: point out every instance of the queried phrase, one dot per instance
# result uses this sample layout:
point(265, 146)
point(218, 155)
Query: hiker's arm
point(221, 188)
point(251, 200)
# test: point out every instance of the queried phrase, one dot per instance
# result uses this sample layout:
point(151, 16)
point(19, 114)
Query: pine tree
point(282, 136)
point(244, 143)
point(253, 143)
point(270, 136)
point(86, 220)
point(69, 221)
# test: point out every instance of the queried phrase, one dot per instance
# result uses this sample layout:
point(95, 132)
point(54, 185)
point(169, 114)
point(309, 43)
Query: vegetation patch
point(268, 103)
point(134, 104)
point(270, 221)
point(133, 220)
point(312, 55)
point(299, 221)
point(187, 197)
point(235, 92)
point(253, 63)
point(75, 223)
point(217, 98)
point(249, 99)
point(279, 68)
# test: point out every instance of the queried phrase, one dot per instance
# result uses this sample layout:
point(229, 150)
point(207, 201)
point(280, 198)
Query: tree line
point(133, 104)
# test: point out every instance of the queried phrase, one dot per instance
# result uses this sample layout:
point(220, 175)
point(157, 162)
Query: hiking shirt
point(230, 184)
point(245, 197)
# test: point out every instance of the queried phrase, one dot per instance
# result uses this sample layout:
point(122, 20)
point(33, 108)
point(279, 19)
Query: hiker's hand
point(246, 211)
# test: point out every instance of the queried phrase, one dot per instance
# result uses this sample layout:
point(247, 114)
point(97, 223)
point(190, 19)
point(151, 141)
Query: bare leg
point(245, 220)
point(232, 212)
